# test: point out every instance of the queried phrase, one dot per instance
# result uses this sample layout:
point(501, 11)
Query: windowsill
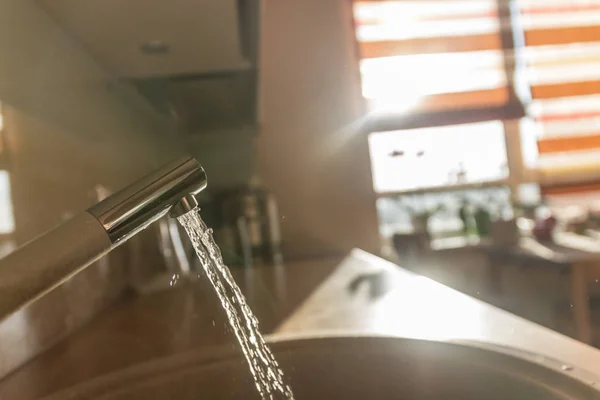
point(444, 188)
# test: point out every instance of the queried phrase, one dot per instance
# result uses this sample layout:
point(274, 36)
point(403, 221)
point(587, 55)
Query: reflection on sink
point(348, 368)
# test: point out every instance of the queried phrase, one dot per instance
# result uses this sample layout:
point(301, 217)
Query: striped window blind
point(448, 60)
point(427, 63)
point(438, 81)
point(562, 56)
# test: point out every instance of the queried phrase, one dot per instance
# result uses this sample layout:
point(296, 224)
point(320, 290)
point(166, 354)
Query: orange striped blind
point(562, 54)
point(429, 56)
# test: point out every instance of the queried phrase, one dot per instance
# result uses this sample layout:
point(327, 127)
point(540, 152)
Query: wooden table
point(579, 255)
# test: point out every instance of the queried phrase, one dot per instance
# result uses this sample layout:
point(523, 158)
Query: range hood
point(195, 61)
point(207, 102)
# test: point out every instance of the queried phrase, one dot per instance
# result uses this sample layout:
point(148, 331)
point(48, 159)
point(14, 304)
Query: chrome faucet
point(42, 264)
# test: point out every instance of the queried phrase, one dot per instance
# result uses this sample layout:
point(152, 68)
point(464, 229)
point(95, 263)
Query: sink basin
point(351, 368)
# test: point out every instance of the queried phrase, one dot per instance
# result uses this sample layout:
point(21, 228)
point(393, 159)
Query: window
point(437, 80)
point(402, 160)
point(7, 223)
point(434, 63)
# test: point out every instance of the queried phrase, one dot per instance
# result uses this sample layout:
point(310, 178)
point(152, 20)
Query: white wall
point(69, 126)
point(310, 153)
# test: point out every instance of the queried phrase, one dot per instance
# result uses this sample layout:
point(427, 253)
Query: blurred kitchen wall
point(69, 125)
point(228, 156)
point(310, 152)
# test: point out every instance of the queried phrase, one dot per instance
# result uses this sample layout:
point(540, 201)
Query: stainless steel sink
point(351, 368)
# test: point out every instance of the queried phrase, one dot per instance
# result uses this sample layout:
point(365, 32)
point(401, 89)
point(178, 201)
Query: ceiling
point(202, 70)
point(194, 36)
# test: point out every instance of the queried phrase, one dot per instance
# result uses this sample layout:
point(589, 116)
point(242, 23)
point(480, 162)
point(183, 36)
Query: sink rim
point(162, 366)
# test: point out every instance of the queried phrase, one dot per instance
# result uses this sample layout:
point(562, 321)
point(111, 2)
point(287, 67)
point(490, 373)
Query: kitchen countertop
point(362, 295)
point(138, 328)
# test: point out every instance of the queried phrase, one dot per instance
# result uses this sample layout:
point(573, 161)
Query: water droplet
point(566, 367)
point(213, 322)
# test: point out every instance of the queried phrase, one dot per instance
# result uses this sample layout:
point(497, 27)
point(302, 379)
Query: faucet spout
point(145, 201)
point(184, 206)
